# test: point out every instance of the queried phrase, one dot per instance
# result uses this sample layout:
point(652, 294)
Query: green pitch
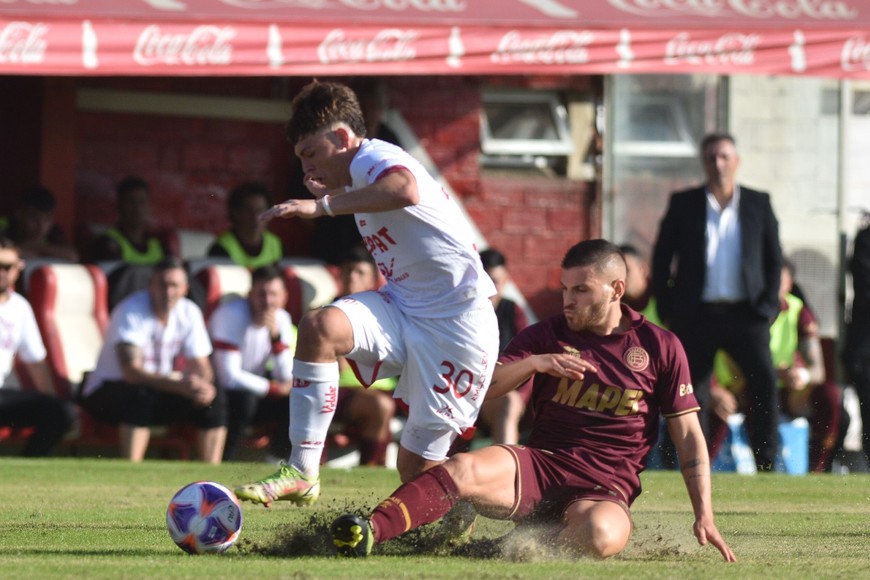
point(101, 518)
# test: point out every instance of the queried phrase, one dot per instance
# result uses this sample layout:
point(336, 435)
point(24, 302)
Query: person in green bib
point(804, 390)
point(131, 240)
point(247, 242)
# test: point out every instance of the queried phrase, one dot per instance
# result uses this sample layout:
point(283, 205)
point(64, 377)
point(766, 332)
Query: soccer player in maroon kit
point(602, 377)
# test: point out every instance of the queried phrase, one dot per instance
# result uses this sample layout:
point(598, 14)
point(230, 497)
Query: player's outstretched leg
point(287, 484)
point(352, 536)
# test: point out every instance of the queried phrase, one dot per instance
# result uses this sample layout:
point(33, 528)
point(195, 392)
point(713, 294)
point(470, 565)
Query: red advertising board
point(440, 37)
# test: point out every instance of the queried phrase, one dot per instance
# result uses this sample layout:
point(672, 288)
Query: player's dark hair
point(169, 263)
point(492, 258)
point(266, 274)
point(356, 254)
point(8, 244)
point(630, 250)
point(321, 105)
point(711, 138)
point(130, 184)
point(246, 190)
point(598, 252)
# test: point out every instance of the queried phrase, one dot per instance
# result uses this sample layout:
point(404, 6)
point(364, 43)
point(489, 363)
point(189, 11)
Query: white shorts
point(444, 365)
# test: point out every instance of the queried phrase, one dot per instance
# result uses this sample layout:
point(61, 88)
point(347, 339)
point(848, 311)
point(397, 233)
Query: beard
point(590, 317)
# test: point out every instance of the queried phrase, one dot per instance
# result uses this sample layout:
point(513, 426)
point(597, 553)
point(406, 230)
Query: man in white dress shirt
point(716, 274)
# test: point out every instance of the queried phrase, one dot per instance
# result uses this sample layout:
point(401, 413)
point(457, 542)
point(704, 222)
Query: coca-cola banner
point(343, 37)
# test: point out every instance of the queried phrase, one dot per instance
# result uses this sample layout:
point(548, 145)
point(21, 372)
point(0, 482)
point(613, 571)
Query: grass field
point(100, 518)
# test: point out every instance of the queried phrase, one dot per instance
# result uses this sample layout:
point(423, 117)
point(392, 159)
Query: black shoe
point(352, 536)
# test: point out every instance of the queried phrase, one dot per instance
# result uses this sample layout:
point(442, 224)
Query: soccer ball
point(204, 517)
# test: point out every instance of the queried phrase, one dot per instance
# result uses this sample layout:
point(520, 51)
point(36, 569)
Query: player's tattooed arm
point(132, 367)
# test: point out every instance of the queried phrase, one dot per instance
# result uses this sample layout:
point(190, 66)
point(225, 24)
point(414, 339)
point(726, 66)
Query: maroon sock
point(421, 501)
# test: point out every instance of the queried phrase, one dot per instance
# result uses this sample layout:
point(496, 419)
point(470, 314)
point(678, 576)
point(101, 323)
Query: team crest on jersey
point(636, 358)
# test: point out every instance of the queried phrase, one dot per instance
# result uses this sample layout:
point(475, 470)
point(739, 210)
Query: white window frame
point(561, 146)
point(684, 147)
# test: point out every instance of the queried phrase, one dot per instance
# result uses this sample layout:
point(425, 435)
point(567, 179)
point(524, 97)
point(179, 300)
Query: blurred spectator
point(135, 383)
point(254, 342)
point(856, 351)
point(131, 240)
point(374, 100)
point(332, 238)
point(502, 416)
point(247, 242)
point(49, 416)
point(364, 413)
point(638, 286)
point(804, 390)
point(715, 270)
point(32, 228)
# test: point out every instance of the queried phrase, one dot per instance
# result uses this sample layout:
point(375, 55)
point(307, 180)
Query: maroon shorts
point(548, 482)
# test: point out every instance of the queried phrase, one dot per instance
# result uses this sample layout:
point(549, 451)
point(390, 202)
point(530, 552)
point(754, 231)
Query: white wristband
point(324, 202)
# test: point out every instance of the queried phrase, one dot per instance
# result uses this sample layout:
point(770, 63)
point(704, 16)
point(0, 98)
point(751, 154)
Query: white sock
point(312, 406)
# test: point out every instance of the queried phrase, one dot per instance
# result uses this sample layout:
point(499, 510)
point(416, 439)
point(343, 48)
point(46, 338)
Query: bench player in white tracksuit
point(432, 323)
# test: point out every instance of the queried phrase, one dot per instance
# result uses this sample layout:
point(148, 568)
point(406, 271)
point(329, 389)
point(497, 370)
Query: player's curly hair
point(320, 105)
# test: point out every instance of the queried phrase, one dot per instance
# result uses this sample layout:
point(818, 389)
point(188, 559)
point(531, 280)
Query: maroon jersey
point(608, 422)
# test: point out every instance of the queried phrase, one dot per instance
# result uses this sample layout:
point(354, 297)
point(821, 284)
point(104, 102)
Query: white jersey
point(19, 334)
point(426, 251)
point(244, 353)
point(133, 322)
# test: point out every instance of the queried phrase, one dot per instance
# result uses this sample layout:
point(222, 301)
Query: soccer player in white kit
point(432, 323)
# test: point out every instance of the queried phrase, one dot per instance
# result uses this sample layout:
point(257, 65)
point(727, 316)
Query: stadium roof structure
point(433, 37)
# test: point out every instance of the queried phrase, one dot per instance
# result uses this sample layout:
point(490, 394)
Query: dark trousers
point(743, 334)
point(857, 361)
point(246, 409)
point(51, 418)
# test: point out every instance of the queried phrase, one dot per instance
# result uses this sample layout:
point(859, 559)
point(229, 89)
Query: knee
point(600, 539)
point(600, 532)
point(386, 407)
point(319, 324)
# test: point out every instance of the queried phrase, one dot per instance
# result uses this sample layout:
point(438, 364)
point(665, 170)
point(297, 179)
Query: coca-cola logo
point(856, 54)
point(790, 9)
point(388, 45)
point(23, 43)
point(204, 45)
point(561, 47)
point(366, 5)
point(729, 49)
